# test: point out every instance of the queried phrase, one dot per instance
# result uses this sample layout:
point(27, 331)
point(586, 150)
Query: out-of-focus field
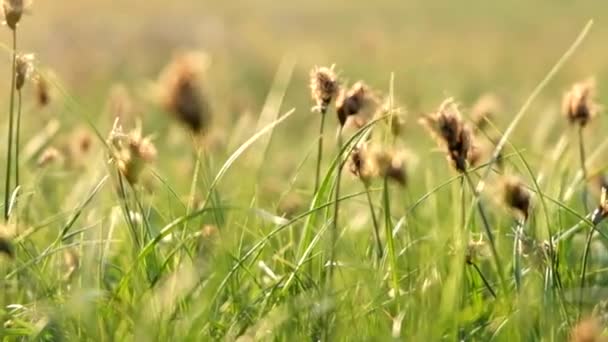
point(239, 267)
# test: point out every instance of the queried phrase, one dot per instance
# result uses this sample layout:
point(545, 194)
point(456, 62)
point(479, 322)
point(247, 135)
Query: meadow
point(303, 170)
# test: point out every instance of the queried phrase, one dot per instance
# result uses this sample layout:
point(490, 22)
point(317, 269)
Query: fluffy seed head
point(447, 127)
point(476, 249)
point(324, 87)
point(181, 92)
point(358, 100)
point(43, 92)
point(24, 67)
point(131, 152)
point(485, 109)
point(516, 197)
point(362, 164)
point(13, 10)
point(578, 103)
point(369, 162)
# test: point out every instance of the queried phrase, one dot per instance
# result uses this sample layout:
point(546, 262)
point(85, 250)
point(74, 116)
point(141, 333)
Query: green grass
point(202, 247)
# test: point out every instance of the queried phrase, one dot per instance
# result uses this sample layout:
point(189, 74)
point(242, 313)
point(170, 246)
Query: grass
point(206, 246)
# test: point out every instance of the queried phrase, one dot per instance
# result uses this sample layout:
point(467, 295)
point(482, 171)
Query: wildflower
point(448, 128)
point(324, 87)
point(358, 100)
point(23, 69)
point(485, 109)
point(181, 93)
point(587, 330)
point(516, 197)
point(362, 165)
point(578, 103)
point(13, 10)
point(369, 162)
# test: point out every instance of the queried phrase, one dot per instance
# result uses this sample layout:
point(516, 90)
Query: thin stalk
point(392, 255)
point(9, 158)
point(517, 254)
point(598, 217)
point(484, 279)
point(582, 155)
point(18, 137)
point(488, 231)
point(334, 231)
point(319, 153)
point(375, 223)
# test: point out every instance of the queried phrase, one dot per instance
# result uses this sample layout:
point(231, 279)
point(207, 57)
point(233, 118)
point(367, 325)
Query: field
point(264, 170)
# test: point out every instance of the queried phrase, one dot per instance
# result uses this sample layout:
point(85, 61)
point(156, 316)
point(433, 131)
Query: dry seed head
point(391, 165)
point(13, 10)
point(362, 164)
point(49, 156)
point(485, 109)
point(324, 87)
point(475, 249)
point(516, 197)
point(131, 152)
point(24, 66)
point(181, 93)
point(43, 91)
point(358, 100)
point(587, 330)
point(578, 103)
point(448, 128)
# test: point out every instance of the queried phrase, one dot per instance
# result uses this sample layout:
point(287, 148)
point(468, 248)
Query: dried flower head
point(447, 127)
point(391, 165)
point(24, 66)
point(578, 103)
point(362, 164)
point(6, 247)
point(587, 330)
point(324, 87)
point(181, 93)
point(485, 109)
point(516, 197)
point(475, 249)
point(358, 100)
point(49, 156)
point(12, 10)
point(43, 91)
point(131, 152)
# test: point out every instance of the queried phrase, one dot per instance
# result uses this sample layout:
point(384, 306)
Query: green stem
point(388, 226)
point(17, 137)
point(334, 231)
point(488, 231)
point(483, 278)
point(319, 153)
point(9, 158)
point(583, 159)
point(598, 217)
point(375, 223)
point(517, 254)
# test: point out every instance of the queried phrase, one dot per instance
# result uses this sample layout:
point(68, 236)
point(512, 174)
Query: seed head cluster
point(181, 92)
point(578, 103)
point(516, 197)
point(368, 163)
point(324, 87)
point(358, 100)
point(450, 131)
point(131, 152)
point(13, 10)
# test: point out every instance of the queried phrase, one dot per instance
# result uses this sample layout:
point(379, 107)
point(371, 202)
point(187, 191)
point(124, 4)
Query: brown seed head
point(516, 197)
point(485, 109)
point(391, 165)
point(13, 10)
point(476, 249)
point(43, 92)
point(24, 65)
point(362, 163)
point(358, 100)
point(131, 152)
point(587, 330)
point(578, 103)
point(447, 127)
point(324, 87)
point(182, 94)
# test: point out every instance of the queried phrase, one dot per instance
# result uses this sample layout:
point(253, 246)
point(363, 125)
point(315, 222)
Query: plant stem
point(17, 137)
point(483, 278)
point(516, 254)
point(581, 151)
point(488, 231)
point(9, 158)
point(334, 231)
point(319, 153)
point(391, 243)
point(375, 223)
point(595, 221)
